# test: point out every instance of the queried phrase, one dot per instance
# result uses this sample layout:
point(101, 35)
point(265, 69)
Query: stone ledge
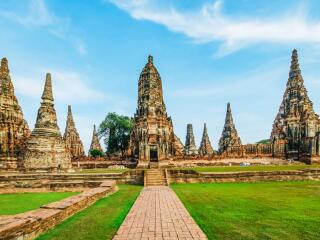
point(31, 224)
point(191, 176)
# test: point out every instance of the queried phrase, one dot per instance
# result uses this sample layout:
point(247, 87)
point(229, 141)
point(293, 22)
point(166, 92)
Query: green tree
point(264, 141)
point(96, 153)
point(115, 130)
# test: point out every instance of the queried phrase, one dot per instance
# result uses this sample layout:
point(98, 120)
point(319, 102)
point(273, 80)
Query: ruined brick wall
point(31, 224)
point(191, 176)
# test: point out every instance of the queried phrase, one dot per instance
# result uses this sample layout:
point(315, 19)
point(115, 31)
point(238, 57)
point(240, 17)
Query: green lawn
point(99, 221)
point(102, 170)
point(253, 168)
point(268, 210)
point(21, 202)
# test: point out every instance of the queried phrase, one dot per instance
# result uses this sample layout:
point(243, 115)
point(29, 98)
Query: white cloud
point(210, 24)
point(37, 14)
point(68, 86)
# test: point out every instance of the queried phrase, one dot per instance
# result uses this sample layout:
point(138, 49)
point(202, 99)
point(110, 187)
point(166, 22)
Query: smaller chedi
point(229, 137)
point(190, 146)
point(46, 149)
point(72, 138)
point(205, 148)
point(95, 144)
point(14, 129)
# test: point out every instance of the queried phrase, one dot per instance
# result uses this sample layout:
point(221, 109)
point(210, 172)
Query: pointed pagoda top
point(190, 146)
point(295, 72)
point(205, 130)
point(149, 67)
point(229, 136)
point(95, 144)
point(229, 117)
point(70, 117)
point(47, 91)
point(205, 145)
point(150, 60)
point(4, 65)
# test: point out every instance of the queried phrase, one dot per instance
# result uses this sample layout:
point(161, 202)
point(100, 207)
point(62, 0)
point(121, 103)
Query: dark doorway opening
point(153, 154)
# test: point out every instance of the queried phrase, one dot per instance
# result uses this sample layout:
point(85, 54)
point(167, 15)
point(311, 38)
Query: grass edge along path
point(264, 210)
point(99, 221)
point(14, 203)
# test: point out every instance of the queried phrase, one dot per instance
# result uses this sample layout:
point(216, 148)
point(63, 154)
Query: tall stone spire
point(152, 138)
point(95, 143)
point(46, 123)
point(205, 148)
point(190, 146)
point(296, 118)
point(229, 137)
point(4, 69)
point(72, 138)
point(14, 129)
point(47, 91)
point(46, 149)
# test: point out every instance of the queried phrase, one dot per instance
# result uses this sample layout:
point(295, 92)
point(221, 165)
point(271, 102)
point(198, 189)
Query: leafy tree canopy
point(264, 141)
point(115, 130)
point(96, 153)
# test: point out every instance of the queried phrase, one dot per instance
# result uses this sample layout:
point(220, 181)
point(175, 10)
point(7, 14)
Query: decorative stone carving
point(72, 138)
point(205, 148)
point(46, 149)
point(296, 121)
point(229, 137)
point(190, 146)
point(14, 130)
point(152, 138)
point(95, 143)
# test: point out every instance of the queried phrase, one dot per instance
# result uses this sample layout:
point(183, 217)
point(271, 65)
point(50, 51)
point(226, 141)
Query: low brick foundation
point(191, 176)
point(31, 224)
point(64, 182)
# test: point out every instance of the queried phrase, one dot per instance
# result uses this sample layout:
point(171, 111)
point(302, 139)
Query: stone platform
point(31, 224)
point(158, 214)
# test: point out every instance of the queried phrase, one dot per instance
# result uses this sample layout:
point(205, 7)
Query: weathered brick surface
point(158, 214)
point(191, 176)
point(30, 224)
point(64, 182)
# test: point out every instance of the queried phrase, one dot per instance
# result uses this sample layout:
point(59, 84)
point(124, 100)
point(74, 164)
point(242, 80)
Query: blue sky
point(207, 52)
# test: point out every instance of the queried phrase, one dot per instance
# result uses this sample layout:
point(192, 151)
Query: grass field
point(253, 168)
point(102, 170)
point(269, 210)
point(21, 202)
point(99, 221)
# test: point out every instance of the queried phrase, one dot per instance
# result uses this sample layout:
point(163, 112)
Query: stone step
point(155, 177)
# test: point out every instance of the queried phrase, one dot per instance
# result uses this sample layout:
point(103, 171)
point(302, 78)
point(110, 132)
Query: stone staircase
point(155, 177)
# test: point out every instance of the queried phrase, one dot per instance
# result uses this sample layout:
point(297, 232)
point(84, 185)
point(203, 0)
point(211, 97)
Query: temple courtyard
point(259, 210)
point(145, 183)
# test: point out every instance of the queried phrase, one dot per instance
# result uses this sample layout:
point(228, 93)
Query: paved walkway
point(158, 214)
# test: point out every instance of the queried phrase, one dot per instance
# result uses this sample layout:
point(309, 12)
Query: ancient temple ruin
point(205, 148)
point(72, 138)
point(14, 129)
point(296, 121)
point(95, 143)
point(152, 138)
point(46, 149)
point(229, 137)
point(190, 145)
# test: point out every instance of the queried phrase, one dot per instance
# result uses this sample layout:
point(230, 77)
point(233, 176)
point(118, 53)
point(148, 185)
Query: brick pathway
point(158, 214)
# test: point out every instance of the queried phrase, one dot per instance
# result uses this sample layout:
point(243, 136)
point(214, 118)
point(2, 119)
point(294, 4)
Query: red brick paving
point(158, 214)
